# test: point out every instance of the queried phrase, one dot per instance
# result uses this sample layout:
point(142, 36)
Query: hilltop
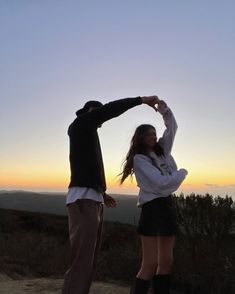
point(54, 203)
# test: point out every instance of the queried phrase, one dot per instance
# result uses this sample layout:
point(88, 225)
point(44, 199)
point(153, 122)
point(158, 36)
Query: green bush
point(204, 251)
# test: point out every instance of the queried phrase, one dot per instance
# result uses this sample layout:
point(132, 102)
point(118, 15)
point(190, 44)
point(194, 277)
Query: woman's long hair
point(137, 146)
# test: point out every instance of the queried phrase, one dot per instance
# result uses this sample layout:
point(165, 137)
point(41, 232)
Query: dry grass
point(53, 286)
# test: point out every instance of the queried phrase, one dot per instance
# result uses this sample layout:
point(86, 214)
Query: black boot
point(161, 284)
point(140, 287)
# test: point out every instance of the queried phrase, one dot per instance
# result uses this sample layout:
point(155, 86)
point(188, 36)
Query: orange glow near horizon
point(59, 181)
point(35, 181)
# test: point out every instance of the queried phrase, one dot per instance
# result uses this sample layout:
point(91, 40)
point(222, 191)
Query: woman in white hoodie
point(157, 177)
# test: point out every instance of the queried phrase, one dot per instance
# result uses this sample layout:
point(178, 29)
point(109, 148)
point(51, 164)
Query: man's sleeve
point(111, 110)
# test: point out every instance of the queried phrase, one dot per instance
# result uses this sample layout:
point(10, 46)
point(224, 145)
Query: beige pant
point(85, 226)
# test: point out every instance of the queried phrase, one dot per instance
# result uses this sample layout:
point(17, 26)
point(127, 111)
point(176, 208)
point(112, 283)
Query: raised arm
point(116, 108)
point(167, 140)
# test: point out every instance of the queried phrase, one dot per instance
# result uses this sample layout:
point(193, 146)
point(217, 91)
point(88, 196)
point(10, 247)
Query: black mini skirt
point(158, 218)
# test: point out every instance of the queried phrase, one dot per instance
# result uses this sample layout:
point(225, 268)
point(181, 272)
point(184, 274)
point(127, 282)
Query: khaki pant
point(85, 226)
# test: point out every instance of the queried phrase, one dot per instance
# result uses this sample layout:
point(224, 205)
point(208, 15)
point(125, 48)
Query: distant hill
point(54, 203)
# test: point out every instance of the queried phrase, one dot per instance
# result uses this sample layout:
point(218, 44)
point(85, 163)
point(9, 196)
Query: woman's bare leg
point(165, 245)
point(149, 257)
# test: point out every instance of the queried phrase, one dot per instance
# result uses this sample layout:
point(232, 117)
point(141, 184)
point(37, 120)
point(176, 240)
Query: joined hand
point(152, 101)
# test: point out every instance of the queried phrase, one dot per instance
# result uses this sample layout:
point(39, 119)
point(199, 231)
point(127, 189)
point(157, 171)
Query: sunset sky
point(55, 55)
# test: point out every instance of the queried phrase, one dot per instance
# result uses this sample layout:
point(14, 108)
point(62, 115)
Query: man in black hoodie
point(87, 188)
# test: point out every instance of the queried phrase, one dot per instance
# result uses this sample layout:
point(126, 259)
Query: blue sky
point(56, 55)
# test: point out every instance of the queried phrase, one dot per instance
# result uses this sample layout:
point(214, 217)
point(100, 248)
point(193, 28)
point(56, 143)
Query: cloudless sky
point(55, 55)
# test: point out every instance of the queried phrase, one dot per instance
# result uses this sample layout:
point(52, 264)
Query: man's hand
point(150, 100)
point(109, 201)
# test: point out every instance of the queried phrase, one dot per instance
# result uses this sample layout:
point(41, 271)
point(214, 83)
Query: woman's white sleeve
point(167, 140)
point(150, 179)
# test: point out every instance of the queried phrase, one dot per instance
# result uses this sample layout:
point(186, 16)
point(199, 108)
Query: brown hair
point(137, 146)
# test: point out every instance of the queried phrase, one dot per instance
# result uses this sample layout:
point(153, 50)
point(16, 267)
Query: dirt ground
point(53, 286)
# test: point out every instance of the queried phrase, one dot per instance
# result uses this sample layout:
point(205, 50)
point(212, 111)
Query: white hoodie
point(158, 176)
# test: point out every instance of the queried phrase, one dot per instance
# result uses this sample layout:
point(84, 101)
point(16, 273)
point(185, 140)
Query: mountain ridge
point(55, 203)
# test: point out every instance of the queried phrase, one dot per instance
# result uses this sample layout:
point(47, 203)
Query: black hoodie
point(86, 163)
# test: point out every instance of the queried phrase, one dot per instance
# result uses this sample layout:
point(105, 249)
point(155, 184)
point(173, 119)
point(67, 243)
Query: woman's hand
point(161, 104)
